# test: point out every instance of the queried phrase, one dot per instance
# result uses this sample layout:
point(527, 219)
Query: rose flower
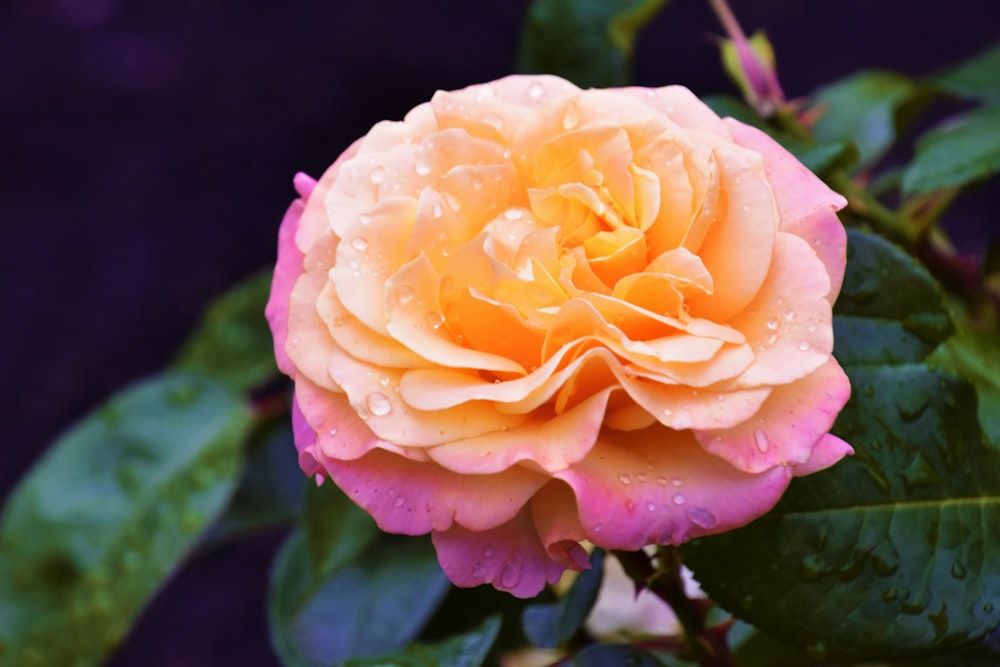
point(529, 315)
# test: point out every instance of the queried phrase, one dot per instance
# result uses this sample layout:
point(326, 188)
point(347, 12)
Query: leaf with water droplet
point(108, 514)
point(588, 42)
point(907, 528)
point(553, 625)
point(975, 356)
point(898, 317)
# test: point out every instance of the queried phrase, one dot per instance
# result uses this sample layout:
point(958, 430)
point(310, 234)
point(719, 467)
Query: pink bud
point(750, 62)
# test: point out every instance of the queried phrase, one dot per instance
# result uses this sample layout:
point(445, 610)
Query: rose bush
point(529, 315)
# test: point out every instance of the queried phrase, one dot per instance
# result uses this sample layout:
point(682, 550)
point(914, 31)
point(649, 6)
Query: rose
point(529, 315)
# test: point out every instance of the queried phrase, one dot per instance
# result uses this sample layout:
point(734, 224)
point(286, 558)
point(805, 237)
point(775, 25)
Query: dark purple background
point(147, 150)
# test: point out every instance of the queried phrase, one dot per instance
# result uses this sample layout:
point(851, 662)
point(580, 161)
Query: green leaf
point(589, 42)
point(271, 491)
point(466, 650)
point(337, 592)
point(975, 356)
point(959, 152)
point(819, 158)
point(602, 655)
point(890, 552)
point(112, 508)
point(233, 343)
point(889, 310)
point(866, 108)
point(976, 78)
point(553, 625)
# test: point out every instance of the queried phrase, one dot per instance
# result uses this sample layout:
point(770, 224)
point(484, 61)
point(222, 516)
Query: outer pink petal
point(658, 486)
point(682, 107)
point(787, 426)
point(286, 272)
point(305, 441)
point(806, 205)
point(509, 556)
point(827, 451)
point(413, 498)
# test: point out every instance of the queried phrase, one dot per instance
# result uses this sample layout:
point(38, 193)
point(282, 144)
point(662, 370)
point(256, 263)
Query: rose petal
point(510, 557)
point(658, 486)
point(827, 451)
point(413, 497)
point(286, 272)
point(787, 426)
point(806, 205)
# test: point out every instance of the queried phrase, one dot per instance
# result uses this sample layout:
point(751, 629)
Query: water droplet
point(811, 328)
point(789, 314)
point(399, 501)
point(889, 595)
point(760, 438)
point(598, 527)
point(359, 243)
point(572, 117)
point(677, 481)
point(667, 412)
point(378, 404)
point(488, 551)
point(364, 219)
point(454, 203)
point(405, 294)
point(384, 380)
point(434, 320)
point(988, 607)
point(494, 120)
point(437, 210)
point(772, 324)
point(641, 477)
point(651, 507)
point(813, 568)
point(377, 175)
point(679, 499)
point(511, 574)
point(513, 213)
point(295, 341)
point(625, 478)
point(746, 208)
point(958, 570)
point(421, 167)
point(702, 517)
point(662, 481)
point(332, 432)
point(804, 346)
point(353, 264)
point(477, 184)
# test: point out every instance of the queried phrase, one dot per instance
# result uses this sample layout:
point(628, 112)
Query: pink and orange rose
point(530, 315)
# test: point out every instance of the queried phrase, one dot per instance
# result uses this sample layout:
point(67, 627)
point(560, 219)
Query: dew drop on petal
point(436, 210)
point(677, 481)
point(513, 213)
point(679, 499)
point(811, 328)
point(667, 412)
point(377, 175)
point(702, 517)
point(641, 477)
point(359, 243)
point(332, 432)
point(571, 118)
point(405, 294)
point(772, 324)
point(760, 438)
point(378, 404)
point(662, 481)
point(511, 574)
point(804, 346)
point(625, 478)
point(488, 551)
point(651, 507)
point(399, 501)
point(384, 380)
point(421, 167)
point(454, 203)
point(435, 319)
point(789, 314)
point(364, 219)
point(320, 479)
point(536, 90)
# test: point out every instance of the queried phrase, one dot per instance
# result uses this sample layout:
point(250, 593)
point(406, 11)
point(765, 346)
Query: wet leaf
point(109, 512)
point(975, 356)
point(889, 310)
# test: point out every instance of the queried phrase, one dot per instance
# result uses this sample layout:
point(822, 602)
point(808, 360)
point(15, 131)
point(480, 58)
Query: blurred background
point(147, 151)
